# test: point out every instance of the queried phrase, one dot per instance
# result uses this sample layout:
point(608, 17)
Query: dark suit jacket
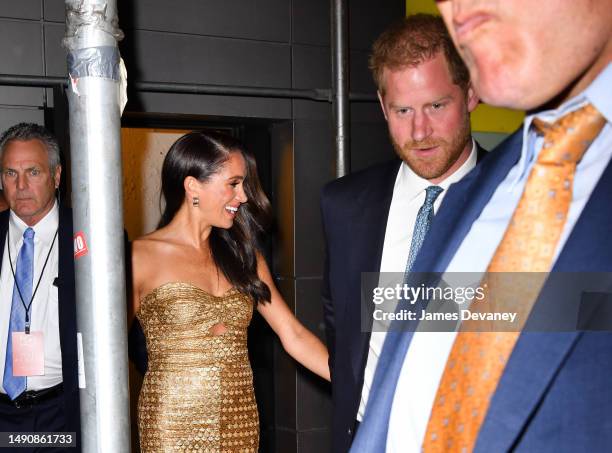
point(554, 395)
point(67, 313)
point(355, 209)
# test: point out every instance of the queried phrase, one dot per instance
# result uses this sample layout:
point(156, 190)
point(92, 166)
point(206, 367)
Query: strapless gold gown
point(197, 395)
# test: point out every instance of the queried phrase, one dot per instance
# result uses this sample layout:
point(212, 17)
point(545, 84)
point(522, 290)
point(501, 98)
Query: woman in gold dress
point(196, 281)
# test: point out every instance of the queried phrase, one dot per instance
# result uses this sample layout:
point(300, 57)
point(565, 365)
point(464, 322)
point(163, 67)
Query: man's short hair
point(412, 41)
point(32, 131)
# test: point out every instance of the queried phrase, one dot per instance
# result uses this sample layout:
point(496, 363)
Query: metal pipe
point(340, 85)
point(32, 81)
point(93, 65)
point(191, 88)
point(315, 94)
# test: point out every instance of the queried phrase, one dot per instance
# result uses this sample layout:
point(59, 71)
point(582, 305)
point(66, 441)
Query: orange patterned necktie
point(477, 359)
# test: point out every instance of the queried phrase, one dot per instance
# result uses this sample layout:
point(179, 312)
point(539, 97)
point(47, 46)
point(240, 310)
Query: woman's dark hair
point(201, 155)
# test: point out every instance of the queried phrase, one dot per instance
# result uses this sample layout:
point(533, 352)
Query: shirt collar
point(44, 230)
point(597, 93)
point(411, 185)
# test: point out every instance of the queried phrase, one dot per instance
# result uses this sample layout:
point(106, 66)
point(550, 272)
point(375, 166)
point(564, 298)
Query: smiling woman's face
point(523, 53)
point(221, 196)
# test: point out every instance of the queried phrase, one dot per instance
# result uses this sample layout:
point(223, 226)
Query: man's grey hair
point(32, 131)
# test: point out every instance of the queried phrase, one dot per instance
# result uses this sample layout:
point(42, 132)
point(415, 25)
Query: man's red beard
point(432, 167)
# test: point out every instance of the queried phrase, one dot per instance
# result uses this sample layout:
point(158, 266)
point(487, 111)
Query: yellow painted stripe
point(485, 118)
point(421, 6)
point(493, 119)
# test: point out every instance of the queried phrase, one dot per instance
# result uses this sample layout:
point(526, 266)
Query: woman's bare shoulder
point(149, 251)
point(153, 256)
point(151, 243)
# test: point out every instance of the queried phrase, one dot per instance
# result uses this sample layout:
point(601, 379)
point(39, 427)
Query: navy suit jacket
point(67, 314)
point(354, 209)
point(554, 394)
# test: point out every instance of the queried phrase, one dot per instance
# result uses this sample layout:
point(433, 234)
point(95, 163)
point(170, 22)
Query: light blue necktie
point(15, 385)
point(422, 224)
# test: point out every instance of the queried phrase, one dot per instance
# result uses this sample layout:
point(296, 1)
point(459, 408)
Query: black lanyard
point(27, 308)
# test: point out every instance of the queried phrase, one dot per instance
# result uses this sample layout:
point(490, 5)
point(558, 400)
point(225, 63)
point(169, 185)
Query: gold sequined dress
point(197, 395)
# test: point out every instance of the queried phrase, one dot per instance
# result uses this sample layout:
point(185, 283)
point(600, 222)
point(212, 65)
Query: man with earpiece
point(38, 350)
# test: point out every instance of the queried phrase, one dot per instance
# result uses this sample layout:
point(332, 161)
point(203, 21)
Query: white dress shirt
point(408, 197)
point(43, 312)
point(426, 358)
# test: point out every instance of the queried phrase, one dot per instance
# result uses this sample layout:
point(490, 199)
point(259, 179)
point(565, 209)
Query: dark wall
point(25, 34)
point(266, 43)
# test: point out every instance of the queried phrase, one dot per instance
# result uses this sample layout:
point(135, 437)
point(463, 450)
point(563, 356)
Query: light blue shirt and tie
point(44, 312)
point(22, 297)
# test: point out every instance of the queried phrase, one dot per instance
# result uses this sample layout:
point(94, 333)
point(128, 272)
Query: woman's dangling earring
point(196, 202)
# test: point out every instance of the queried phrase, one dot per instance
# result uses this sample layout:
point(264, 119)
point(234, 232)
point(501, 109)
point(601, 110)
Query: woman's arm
point(299, 342)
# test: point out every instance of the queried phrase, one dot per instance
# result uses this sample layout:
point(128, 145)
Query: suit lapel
point(581, 252)
point(537, 356)
point(534, 362)
point(4, 221)
point(66, 303)
point(369, 224)
point(464, 203)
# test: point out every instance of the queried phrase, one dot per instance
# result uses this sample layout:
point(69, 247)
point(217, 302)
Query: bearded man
point(375, 220)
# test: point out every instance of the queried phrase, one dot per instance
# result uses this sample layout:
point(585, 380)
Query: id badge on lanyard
point(29, 347)
point(28, 354)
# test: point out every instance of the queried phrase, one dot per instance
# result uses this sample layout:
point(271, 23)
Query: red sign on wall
point(80, 245)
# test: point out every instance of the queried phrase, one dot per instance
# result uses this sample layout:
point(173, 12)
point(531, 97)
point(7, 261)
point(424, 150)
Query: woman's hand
point(298, 341)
